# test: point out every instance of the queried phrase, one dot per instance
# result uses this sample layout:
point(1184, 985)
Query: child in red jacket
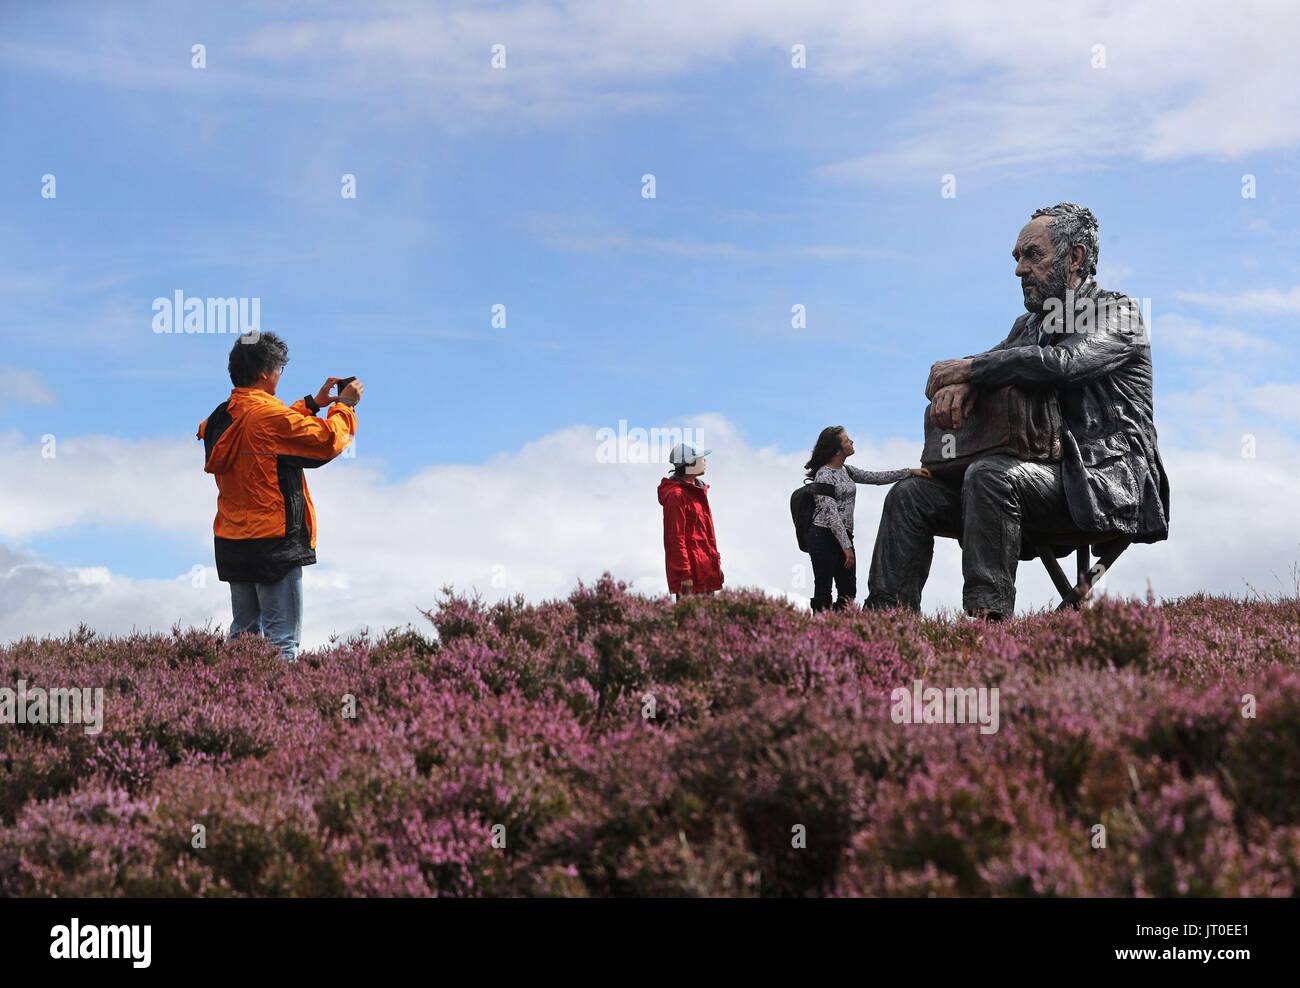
point(690, 547)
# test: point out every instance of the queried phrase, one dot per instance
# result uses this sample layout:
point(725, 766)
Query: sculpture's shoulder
point(1106, 296)
point(1118, 312)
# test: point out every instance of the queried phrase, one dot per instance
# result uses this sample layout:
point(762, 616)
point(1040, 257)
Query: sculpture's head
point(1056, 251)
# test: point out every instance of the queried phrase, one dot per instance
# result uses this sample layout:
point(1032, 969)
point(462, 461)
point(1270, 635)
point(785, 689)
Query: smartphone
point(343, 383)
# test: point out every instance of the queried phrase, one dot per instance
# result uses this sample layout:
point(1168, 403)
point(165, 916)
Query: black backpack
point(803, 507)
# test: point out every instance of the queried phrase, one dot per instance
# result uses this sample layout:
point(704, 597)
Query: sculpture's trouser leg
point(999, 494)
point(1001, 497)
point(915, 509)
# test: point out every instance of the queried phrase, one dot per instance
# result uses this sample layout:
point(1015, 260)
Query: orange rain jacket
point(257, 448)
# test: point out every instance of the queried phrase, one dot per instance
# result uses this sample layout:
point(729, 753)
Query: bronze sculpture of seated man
point(1086, 347)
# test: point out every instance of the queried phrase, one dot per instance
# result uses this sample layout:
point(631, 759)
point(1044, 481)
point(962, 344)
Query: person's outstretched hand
point(921, 472)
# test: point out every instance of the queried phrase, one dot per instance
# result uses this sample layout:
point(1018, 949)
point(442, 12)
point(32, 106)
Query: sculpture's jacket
point(1100, 368)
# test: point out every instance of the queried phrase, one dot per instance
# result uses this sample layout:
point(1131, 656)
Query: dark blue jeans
point(829, 568)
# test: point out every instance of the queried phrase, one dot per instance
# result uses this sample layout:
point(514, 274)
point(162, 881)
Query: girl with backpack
point(830, 539)
point(690, 547)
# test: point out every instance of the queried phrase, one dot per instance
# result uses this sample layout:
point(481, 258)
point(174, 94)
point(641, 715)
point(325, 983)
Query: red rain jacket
point(690, 547)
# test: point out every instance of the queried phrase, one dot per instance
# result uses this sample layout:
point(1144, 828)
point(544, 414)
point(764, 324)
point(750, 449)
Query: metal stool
point(1108, 547)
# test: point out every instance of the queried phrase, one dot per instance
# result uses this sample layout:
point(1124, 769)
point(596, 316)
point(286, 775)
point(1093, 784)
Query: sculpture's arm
point(1110, 344)
point(1096, 356)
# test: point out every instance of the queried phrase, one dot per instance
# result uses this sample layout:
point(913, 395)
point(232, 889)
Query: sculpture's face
point(1042, 275)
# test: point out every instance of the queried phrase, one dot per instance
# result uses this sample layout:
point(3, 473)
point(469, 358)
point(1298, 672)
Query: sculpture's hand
point(946, 372)
point(952, 404)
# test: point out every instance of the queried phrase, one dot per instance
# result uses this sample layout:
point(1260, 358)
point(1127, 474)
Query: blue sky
point(774, 186)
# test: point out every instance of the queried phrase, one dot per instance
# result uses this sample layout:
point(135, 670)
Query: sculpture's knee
point(988, 475)
point(904, 497)
point(918, 504)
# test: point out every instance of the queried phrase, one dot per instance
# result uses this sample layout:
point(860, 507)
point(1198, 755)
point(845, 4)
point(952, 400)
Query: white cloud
point(100, 480)
point(999, 85)
point(24, 386)
point(1266, 301)
point(38, 598)
point(1212, 344)
point(1281, 402)
point(536, 520)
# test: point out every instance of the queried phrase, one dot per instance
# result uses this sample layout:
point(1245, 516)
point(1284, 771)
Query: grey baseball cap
point(683, 455)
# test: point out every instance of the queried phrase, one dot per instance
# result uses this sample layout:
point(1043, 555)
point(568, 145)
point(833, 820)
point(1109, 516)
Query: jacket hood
point(222, 430)
point(669, 483)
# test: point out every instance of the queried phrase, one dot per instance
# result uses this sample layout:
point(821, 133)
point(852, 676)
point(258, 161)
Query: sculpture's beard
point(1037, 293)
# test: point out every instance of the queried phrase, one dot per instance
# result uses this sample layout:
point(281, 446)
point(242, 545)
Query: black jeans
point(828, 568)
point(998, 496)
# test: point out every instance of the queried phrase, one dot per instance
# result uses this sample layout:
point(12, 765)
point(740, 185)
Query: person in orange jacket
point(690, 548)
point(257, 448)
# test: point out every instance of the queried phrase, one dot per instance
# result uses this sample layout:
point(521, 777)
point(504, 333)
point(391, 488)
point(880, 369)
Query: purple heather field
point(526, 726)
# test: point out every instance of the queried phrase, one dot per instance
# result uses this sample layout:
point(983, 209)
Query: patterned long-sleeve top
point(836, 513)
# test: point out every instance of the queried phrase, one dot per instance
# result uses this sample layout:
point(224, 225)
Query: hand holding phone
point(350, 390)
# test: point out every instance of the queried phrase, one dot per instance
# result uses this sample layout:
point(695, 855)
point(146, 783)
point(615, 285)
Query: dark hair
point(1072, 224)
point(254, 355)
point(828, 444)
